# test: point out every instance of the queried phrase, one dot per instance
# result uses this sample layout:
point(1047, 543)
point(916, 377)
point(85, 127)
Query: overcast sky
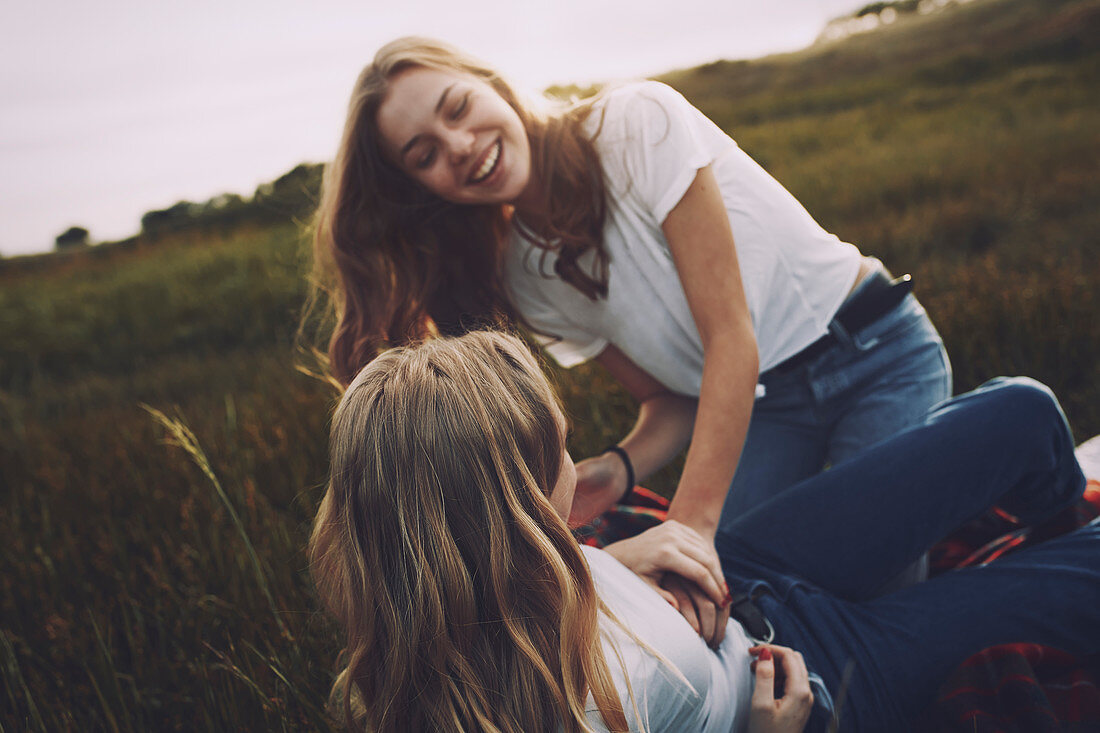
point(110, 109)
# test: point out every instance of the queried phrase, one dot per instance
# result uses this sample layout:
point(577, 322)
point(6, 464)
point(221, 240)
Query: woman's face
point(456, 136)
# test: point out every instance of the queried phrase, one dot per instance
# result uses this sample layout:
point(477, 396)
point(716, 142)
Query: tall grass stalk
point(234, 669)
point(13, 679)
point(110, 665)
point(107, 713)
point(181, 436)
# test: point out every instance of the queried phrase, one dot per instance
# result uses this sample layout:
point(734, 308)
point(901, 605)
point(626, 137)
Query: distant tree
point(72, 237)
point(900, 6)
point(222, 202)
point(295, 193)
point(176, 217)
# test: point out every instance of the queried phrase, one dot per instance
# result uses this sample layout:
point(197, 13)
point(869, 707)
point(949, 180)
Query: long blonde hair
point(394, 263)
point(465, 601)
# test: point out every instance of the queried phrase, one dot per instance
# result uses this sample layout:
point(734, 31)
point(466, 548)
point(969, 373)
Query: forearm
point(662, 430)
point(721, 423)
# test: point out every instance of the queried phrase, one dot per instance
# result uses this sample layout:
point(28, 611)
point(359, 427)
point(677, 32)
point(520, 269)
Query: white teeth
point(487, 165)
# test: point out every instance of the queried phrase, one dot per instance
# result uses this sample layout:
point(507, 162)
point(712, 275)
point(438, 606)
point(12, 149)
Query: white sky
point(113, 108)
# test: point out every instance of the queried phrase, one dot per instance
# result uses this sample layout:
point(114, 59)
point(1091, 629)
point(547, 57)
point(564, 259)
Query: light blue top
point(697, 688)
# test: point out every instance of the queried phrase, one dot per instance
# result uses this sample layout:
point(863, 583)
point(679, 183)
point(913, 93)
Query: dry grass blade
point(181, 436)
point(109, 661)
point(111, 722)
point(13, 675)
point(227, 664)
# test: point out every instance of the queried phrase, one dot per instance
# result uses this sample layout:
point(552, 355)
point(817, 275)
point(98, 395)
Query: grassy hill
point(138, 593)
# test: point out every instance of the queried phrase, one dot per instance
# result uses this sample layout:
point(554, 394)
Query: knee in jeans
point(1030, 402)
point(1026, 394)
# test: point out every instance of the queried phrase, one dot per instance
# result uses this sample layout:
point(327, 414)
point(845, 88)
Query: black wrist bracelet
point(617, 450)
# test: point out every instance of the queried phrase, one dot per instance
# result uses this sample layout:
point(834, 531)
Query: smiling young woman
point(630, 229)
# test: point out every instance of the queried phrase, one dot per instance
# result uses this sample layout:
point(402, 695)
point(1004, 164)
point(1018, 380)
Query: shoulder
point(637, 104)
point(651, 142)
point(642, 93)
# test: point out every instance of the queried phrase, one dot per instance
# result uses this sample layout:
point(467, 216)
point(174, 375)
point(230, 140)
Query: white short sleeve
point(665, 141)
point(651, 143)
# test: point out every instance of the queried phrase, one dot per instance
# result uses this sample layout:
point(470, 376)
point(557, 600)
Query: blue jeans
point(818, 548)
point(871, 385)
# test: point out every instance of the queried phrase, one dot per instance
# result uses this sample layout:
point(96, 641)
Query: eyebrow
point(438, 106)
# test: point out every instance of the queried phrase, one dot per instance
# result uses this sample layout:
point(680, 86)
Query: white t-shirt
point(652, 142)
point(715, 689)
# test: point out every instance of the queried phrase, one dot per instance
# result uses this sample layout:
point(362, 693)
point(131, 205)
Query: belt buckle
point(744, 610)
point(768, 637)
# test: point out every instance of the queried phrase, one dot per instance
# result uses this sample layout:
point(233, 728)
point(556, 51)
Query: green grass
point(153, 574)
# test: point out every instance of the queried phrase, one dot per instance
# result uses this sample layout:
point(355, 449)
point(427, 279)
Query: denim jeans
point(867, 387)
point(815, 550)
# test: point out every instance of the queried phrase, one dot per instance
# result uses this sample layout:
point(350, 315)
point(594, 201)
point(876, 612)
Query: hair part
point(464, 600)
point(394, 263)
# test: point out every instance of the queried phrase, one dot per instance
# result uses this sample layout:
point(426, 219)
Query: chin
point(515, 188)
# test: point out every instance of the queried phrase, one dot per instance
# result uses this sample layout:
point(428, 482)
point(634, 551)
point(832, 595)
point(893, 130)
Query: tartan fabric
point(639, 510)
point(1015, 688)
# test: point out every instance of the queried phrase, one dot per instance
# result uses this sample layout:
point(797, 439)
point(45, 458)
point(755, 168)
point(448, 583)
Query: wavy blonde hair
point(394, 263)
point(465, 600)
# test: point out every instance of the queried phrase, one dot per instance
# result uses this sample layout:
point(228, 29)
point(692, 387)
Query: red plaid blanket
point(1016, 688)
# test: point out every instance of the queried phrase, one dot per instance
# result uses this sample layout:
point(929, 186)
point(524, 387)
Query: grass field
point(146, 586)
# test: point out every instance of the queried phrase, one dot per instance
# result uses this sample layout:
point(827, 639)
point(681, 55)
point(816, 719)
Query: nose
point(459, 144)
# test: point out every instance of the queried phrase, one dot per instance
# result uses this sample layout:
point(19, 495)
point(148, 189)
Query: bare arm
point(702, 246)
point(660, 433)
point(701, 242)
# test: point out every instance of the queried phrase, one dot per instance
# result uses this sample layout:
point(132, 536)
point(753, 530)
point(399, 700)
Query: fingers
point(708, 616)
point(794, 708)
point(709, 574)
point(669, 597)
point(673, 600)
point(707, 619)
point(684, 603)
point(721, 623)
point(672, 547)
point(798, 677)
point(687, 554)
point(763, 692)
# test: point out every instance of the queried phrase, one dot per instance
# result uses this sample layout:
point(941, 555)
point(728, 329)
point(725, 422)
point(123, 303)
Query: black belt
point(752, 619)
point(877, 295)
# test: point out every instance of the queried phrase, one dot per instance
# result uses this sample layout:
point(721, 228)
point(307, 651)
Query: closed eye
point(425, 160)
point(460, 108)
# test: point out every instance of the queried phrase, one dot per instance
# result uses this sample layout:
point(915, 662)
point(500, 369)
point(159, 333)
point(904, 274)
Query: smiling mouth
point(488, 165)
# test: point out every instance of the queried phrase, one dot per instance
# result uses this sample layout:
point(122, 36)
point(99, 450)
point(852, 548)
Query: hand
point(705, 616)
point(789, 713)
point(601, 482)
point(672, 547)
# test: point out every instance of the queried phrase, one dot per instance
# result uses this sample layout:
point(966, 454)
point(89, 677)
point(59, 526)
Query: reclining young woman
point(441, 547)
